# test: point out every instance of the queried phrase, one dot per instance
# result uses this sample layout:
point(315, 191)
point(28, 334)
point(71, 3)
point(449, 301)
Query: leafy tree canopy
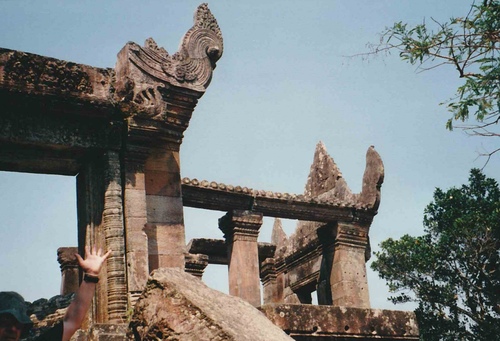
point(470, 44)
point(453, 270)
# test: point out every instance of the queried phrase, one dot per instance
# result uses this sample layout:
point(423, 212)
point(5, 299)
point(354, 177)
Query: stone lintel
point(15, 158)
point(55, 114)
point(147, 134)
point(30, 80)
point(34, 142)
point(208, 195)
point(216, 250)
point(308, 322)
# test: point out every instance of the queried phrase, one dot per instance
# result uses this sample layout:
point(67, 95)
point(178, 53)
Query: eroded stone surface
point(325, 176)
point(176, 306)
point(278, 236)
point(146, 75)
point(307, 322)
point(372, 179)
point(45, 313)
point(69, 269)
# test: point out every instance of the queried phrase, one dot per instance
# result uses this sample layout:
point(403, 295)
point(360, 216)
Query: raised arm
point(91, 266)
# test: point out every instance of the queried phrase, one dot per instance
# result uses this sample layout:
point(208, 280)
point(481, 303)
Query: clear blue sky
point(283, 84)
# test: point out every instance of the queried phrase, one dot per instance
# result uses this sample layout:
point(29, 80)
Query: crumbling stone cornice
point(219, 196)
point(216, 250)
point(31, 81)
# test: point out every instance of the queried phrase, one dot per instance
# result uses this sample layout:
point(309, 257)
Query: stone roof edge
point(215, 186)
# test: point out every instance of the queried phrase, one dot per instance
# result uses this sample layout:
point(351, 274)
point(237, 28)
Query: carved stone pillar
point(69, 269)
point(196, 264)
point(158, 92)
point(348, 276)
point(241, 231)
point(100, 224)
point(114, 236)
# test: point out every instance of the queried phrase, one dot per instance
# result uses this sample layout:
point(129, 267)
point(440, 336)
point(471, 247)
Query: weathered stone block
point(138, 269)
point(348, 280)
point(307, 322)
point(176, 306)
point(108, 332)
point(168, 161)
point(135, 180)
point(135, 203)
point(137, 239)
point(163, 183)
point(166, 245)
point(163, 209)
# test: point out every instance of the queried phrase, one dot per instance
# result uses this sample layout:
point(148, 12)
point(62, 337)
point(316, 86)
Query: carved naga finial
point(200, 50)
point(144, 73)
point(372, 180)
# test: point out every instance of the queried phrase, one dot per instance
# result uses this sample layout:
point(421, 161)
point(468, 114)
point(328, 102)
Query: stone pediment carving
point(146, 75)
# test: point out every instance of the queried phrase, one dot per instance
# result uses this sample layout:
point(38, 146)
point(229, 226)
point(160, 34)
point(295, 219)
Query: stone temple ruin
point(119, 131)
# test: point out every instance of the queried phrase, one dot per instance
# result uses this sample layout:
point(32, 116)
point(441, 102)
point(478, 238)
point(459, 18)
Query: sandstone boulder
point(177, 306)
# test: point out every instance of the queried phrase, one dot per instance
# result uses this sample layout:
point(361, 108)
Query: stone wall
point(45, 313)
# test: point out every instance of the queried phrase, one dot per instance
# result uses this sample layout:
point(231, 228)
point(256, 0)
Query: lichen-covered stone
point(176, 306)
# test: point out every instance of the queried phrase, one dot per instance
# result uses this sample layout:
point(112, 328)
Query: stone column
point(241, 231)
point(100, 224)
point(165, 227)
point(114, 237)
point(158, 96)
point(135, 220)
point(69, 269)
point(348, 277)
point(196, 264)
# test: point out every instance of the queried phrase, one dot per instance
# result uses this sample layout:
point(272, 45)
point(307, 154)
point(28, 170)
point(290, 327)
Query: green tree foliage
point(453, 270)
point(470, 44)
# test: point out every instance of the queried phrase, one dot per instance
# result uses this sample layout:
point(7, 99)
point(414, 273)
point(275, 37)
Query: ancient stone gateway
point(119, 131)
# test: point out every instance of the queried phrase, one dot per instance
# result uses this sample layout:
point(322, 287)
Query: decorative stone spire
point(325, 176)
point(278, 236)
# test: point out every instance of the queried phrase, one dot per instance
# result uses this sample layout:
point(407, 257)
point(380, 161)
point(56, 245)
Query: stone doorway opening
point(38, 216)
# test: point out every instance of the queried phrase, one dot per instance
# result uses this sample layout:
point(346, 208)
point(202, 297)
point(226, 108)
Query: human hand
point(93, 261)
